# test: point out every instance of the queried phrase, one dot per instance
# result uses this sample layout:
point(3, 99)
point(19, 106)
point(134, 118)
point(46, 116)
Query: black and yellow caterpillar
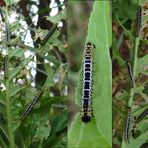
point(31, 105)
point(87, 71)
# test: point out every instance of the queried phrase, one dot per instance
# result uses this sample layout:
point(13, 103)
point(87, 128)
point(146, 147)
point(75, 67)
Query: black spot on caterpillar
point(139, 12)
point(86, 102)
point(130, 74)
point(51, 31)
point(31, 105)
point(5, 66)
point(138, 120)
point(127, 131)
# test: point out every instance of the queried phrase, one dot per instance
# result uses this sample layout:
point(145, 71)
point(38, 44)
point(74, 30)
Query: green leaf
point(16, 53)
point(139, 141)
point(15, 90)
point(139, 89)
point(15, 71)
point(50, 74)
point(19, 139)
point(4, 136)
point(44, 127)
point(97, 133)
point(142, 64)
point(2, 103)
point(10, 2)
point(61, 15)
point(59, 123)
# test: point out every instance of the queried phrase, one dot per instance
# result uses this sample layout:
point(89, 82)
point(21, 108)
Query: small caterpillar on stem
point(1, 13)
point(138, 120)
point(7, 34)
point(130, 74)
point(5, 66)
point(139, 13)
point(51, 31)
point(31, 105)
point(127, 132)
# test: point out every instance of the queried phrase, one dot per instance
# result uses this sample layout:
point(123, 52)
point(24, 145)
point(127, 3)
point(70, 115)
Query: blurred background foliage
point(78, 17)
point(31, 66)
point(124, 36)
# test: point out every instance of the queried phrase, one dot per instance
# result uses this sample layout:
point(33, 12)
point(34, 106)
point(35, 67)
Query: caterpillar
point(7, 34)
point(5, 66)
point(130, 74)
point(142, 116)
point(139, 12)
point(49, 34)
point(31, 105)
point(127, 132)
point(138, 120)
point(2, 16)
point(86, 102)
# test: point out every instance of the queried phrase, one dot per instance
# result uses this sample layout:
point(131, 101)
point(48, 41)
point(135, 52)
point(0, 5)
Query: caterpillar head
point(89, 44)
point(86, 118)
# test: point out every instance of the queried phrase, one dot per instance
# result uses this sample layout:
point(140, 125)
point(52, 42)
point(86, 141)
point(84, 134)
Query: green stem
point(131, 92)
point(9, 121)
point(123, 144)
point(134, 65)
point(127, 31)
point(8, 101)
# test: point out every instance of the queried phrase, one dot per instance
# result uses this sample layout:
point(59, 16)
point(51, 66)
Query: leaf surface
point(97, 133)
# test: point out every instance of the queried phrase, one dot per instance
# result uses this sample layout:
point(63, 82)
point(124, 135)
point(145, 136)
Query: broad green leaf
point(97, 133)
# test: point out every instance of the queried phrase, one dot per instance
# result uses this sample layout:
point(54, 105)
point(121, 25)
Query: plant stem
point(9, 121)
point(123, 144)
point(134, 65)
point(131, 92)
point(8, 101)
